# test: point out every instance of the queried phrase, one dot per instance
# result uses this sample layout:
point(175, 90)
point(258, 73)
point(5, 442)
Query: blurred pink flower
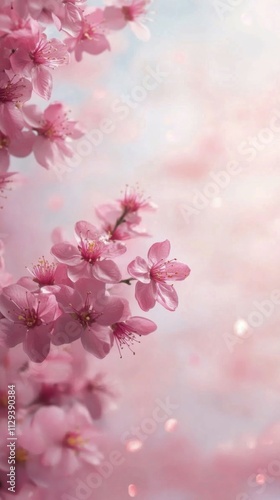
point(62, 440)
point(55, 132)
point(91, 35)
point(128, 11)
point(20, 146)
point(134, 200)
point(28, 319)
point(92, 255)
point(151, 276)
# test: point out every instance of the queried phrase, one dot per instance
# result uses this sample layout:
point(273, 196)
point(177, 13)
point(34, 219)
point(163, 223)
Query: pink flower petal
point(86, 230)
point(145, 295)
point(69, 462)
point(44, 151)
point(139, 270)
point(90, 286)
point(32, 115)
point(11, 333)
point(159, 251)
point(97, 341)
point(66, 330)
point(107, 271)
point(167, 296)
point(177, 270)
point(11, 119)
point(22, 145)
point(114, 18)
point(52, 456)
point(13, 299)
point(37, 343)
point(142, 326)
point(66, 254)
point(141, 31)
point(112, 310)
point(42, 82)
point(81, 270)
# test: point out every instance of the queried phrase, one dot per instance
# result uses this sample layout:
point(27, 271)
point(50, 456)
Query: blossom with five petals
point(152, 277)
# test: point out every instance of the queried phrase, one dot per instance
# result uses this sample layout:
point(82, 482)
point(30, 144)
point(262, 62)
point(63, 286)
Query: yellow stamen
point(21, 455)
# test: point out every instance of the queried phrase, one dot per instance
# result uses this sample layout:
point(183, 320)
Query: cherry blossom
point(91, 36)
point(62, 442)
point(55, 132)
point(87, 313)
point(151, 276)
point(35, 56)
point(28, 319)
point(128, 11)
point(92, 256)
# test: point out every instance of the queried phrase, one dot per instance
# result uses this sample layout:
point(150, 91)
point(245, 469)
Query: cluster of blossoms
point(59, 406)
point(79, 295)
point(27, 57)
point(76, 298)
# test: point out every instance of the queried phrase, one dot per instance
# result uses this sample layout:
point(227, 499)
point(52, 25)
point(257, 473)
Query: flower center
point(74, 440)
point(4, 141)
point(44, 272)
point(29, 318)
point(11, 92)
point(21, 455)
point(124, 336)
point(128, 13)
point(90, 250)
point(160, 273)
point(3, 399)
point(86, 315)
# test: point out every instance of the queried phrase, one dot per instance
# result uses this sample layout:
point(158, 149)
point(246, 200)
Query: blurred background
point(203, 142)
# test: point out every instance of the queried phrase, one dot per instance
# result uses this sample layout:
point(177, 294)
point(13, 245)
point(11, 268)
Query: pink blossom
point(128, 11)
point(35, 55)
point(91, 35)
point(14, 91)
point(95, 394)
point(69, 15)
point(54, 133)
point(87, 313)
point(117, 224)
point(121, 219)
point(151, 276)
point(19, 146)
point(61, 442)
point(125, 331)
point(63, 13)
point(14, 21)
point(28, 319)
point(92, 255)
point(134, 200)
